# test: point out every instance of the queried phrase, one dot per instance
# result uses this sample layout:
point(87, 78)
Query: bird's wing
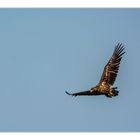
point(84, 93)
point(112, 67)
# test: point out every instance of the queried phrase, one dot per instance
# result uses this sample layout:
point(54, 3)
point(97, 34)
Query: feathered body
point(105, 85)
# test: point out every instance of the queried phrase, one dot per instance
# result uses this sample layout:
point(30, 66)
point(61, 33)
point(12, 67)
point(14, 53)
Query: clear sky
point(44, 52)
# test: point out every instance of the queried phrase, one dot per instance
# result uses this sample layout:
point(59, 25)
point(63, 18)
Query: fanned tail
point(115, 92)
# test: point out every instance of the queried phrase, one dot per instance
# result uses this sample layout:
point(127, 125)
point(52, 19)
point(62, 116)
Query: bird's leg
point(111, 93)
point(108, 95)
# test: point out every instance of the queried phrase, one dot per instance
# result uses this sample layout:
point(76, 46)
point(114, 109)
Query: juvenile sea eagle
point(105, 86)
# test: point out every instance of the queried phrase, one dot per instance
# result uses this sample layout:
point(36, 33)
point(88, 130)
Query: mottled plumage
point(105, 86)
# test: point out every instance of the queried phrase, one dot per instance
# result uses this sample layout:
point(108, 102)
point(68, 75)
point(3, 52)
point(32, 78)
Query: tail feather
point(115, 92)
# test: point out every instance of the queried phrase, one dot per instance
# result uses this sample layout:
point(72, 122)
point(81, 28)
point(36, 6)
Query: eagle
point(105, 85)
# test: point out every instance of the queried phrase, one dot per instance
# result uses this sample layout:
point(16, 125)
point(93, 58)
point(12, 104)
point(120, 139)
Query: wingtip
point(120, 48)
point(67, 93)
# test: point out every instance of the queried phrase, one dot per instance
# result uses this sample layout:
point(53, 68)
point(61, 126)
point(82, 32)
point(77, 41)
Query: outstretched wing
point(84, 93)
point(111, 69)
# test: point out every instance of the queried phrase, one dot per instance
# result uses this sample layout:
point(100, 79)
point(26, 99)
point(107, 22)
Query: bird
point(105, 85)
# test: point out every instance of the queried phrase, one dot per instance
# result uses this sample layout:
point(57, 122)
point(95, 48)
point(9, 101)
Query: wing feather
point(83, 93)
point(112, 67)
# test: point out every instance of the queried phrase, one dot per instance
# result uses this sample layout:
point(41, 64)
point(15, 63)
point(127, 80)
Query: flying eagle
point(105, 85)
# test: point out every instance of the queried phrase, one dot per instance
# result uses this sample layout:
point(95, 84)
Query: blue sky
point(44, 52)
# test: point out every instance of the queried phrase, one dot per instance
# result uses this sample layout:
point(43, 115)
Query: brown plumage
point(105, 86)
